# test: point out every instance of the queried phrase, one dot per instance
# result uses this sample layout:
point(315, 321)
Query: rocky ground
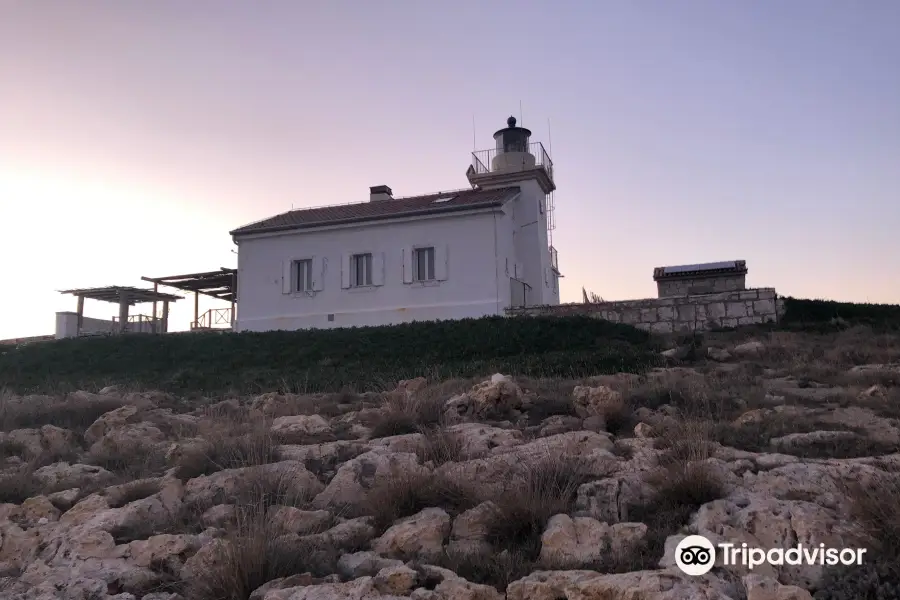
point(466, 490)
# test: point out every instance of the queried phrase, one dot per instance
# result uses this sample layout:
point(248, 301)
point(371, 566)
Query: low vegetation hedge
point(328, 360)
point(805, 313)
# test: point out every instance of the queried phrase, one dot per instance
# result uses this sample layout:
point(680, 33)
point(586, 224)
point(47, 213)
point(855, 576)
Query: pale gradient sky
point(135, 134)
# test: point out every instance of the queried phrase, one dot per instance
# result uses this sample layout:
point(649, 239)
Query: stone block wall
point(67, 325)
point(701, 285)
point(677, 314)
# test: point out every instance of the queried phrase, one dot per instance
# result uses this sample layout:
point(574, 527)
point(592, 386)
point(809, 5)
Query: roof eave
point(417, 213)
point(695, 274)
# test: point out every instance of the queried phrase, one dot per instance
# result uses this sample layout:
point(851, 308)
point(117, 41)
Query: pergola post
point(233, 296)
point(80, 321)
point(165, 316)
point(123, 311)
point(155, 291)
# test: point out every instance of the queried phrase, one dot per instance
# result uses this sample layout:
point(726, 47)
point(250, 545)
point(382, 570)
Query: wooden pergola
point(221, 284)
point(125, 297)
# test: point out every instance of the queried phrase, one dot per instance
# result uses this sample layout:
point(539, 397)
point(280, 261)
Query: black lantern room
point(512, 139)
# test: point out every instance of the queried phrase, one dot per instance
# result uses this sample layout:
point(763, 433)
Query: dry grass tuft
point(545, 488)
point(73, 412)
point(539, 491)
point(253, 552)
point(132, 491)
point(12, 449)
point(441, 446)
point(231, 446)
point(876, 512)
point(269, 488)
point(404, 495)
point(552, 397)
point(498, 570)
point(404, 413)
point(684, 441)
point(679, 490)
point(130, 460)
point(18, 486)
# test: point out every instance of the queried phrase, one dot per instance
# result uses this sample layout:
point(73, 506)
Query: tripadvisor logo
point(696, 555)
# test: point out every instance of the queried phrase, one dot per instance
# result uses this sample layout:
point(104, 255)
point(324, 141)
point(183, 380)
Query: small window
point(361, 270)
point(423, 264)
point(303, 274)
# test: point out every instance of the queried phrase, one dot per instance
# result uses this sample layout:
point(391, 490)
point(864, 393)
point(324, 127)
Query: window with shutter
point(423, 264)
point(361, 270)
point(303, 275)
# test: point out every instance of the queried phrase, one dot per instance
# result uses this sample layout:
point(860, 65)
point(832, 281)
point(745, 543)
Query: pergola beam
point(219, 284)
point(125, 297)
point(114, 294)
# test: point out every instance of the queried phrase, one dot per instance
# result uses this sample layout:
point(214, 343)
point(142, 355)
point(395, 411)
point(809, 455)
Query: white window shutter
point(378, 268)
point(316, 273)
point(441, 259)
point(345, 271)
point(407, 265)
point(287, 277)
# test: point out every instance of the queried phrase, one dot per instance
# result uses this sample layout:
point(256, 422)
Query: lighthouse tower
point(517, 161)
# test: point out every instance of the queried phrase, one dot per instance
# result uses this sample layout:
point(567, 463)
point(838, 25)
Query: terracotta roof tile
point(381, 209)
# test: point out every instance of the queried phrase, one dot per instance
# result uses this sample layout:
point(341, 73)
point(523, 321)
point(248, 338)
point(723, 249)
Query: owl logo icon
point(695, 555)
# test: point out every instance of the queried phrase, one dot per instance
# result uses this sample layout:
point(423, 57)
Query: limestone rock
point(766, 522)
point(495, 398)
point(351, 533)
point(291, 476)
point(362, 564)
point(749, 349)
point(111, 421)
point(288, 519)
point(795, 441)
point(669, 584)
point(397, 580)
point(356, 476)
point(411, 386)
point(718, 354)
point(64, 476)
point(760, 587)
point(456, 588)
point(301, 425)
point(363, 588)
point(577, 542)
point(597, 401)
point(419, 536)
point(470, 529)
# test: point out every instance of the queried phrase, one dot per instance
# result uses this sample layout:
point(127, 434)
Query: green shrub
point(335, 359)
point(827, 314)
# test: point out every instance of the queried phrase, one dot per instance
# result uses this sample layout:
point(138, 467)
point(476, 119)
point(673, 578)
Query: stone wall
point(67, 325)
point(677, 314)
point(701, 285)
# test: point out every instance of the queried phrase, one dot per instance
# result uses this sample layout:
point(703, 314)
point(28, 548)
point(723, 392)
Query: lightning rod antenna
point(549, 138)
